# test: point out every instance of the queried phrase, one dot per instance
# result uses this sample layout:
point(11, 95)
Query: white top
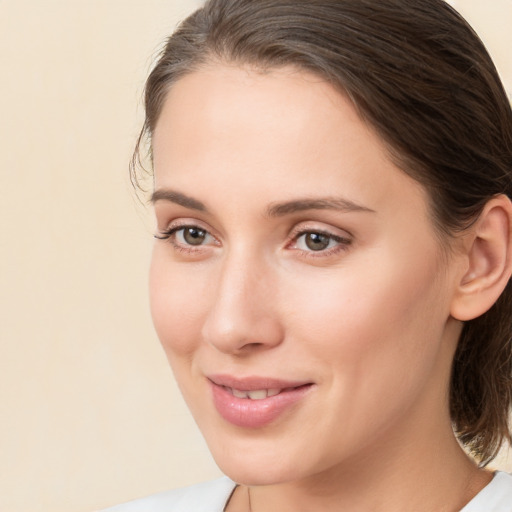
point(213, 496)
point(495, 497)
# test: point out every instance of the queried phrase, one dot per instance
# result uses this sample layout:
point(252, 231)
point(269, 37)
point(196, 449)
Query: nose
point(243, 316)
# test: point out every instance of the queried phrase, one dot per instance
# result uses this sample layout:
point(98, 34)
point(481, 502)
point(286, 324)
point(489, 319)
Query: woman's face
point(298, 288)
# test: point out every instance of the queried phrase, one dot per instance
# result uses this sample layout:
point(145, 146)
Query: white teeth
point(238, 393)
point(256, 394)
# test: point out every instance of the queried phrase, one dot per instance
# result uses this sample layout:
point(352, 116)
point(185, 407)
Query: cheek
point(375, 337)
point(370, 317)
point(176, 301)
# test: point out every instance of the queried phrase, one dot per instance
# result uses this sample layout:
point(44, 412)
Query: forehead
point(267, 130)
point(245, 107)
point(218, 97)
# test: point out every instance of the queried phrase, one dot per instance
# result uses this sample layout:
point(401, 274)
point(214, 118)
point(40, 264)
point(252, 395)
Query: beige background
point(89, 414)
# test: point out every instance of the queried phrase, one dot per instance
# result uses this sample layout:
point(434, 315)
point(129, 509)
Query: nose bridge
point(243, 312)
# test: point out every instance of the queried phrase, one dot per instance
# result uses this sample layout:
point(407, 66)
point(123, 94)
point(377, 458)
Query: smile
point(255, 402)
point(257, 394)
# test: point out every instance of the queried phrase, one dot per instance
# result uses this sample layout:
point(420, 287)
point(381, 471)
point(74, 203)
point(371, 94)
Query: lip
point(249, 413)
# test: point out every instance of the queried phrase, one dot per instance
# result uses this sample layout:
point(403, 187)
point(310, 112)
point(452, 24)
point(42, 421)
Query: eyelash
point(170, 236)
point(342, 243)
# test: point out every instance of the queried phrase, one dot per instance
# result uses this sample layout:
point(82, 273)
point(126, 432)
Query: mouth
point(255, 402)
point(258, 394)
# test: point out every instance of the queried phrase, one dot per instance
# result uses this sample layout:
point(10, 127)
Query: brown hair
point(419, 74)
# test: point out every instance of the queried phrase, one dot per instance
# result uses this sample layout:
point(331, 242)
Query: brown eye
point(317, 241)
point(194, 236)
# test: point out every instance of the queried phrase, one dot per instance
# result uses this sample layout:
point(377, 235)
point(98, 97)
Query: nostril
point(252, 347)
point(244, 339)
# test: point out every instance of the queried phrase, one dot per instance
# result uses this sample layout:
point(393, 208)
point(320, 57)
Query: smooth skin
point(313, 257)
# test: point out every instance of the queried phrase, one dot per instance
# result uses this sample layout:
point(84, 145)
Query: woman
point(330, 277)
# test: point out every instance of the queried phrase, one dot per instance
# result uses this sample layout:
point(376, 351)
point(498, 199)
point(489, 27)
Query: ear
point(488, 258)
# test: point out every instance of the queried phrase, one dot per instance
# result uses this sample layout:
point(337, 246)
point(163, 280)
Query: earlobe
point(489, 261)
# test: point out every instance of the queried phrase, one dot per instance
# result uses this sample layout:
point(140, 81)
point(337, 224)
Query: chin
point(260, 462)
point(247, 474)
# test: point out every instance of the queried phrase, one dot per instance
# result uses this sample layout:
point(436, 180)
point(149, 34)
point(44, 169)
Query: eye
point(187, 237)
point(315, 241)
point(191, 235)
point(319, 243)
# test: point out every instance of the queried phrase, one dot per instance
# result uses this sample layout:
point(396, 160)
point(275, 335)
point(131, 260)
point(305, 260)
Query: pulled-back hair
point(418, 73)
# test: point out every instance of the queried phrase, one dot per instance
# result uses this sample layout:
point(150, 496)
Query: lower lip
point(247, 413)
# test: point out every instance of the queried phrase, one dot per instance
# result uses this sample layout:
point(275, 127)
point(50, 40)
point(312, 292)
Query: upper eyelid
point(175, 229)
point(326, 232)
point(184, 223)
point(314, 227)
point(340, 239)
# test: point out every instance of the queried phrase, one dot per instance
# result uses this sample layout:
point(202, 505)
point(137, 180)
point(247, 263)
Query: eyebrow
point(325, 203)
point(178, 198)
point(274, 210)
